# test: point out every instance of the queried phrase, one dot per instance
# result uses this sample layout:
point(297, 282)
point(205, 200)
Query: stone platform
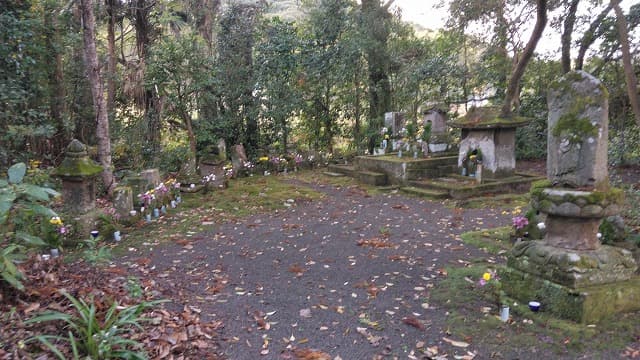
point(585, 304)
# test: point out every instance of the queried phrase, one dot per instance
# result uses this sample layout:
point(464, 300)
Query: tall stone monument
point(570, 271)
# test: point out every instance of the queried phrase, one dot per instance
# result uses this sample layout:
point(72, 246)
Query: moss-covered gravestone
point(78, 172)
point(570, 272)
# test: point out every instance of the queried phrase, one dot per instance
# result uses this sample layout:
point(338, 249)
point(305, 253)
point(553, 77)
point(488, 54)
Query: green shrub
point(93, 337)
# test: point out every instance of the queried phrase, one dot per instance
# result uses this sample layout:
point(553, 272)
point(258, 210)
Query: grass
point(200, 212)
point(495, 241)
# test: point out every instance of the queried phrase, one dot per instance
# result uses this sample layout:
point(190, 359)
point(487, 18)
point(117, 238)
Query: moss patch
point(495, 240)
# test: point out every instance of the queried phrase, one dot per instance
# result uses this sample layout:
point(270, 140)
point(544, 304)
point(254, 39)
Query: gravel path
point(350, 275)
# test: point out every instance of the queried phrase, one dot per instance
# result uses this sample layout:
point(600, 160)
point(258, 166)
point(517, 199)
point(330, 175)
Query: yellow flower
point(486, 276)
point(263, 158)
point(55, 220)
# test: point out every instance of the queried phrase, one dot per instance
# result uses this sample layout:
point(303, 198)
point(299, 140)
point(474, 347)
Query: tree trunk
point(56, 78)
point(514, 82)
point(375, 18)
point(567, 31)
point(589, 37)
point(111, 55)
point(99, 104)
point(632, 81)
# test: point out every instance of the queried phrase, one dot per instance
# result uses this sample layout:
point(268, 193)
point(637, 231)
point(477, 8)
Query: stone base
point(572, 268)
point(586, 305)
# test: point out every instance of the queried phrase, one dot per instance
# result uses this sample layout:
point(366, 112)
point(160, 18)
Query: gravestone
point(439, 140)
point(152, 177)
point(574, 275)
point(395, 122)
point(238, 158)
point(123, 200)
point(78, 172)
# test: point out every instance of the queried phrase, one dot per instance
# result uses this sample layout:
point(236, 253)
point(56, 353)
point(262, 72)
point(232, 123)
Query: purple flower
point(62, 230)
point(519, 222)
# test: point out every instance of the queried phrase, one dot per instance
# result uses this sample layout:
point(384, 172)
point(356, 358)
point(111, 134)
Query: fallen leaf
point(461, 344)
point(411, 321)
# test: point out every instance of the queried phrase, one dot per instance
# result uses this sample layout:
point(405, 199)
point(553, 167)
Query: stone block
point(123, 200)
point(152, 176)
point(587, 305)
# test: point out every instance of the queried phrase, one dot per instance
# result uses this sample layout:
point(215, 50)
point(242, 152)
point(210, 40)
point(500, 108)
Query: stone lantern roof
point(77, 163)
point(487, 117)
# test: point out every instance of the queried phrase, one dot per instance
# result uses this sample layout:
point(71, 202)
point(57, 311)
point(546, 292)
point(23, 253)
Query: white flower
point(192, 186)
point(541, 226)
point(599, 235)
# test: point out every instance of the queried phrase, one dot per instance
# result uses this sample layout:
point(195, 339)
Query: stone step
point(348, 170)
point(427, 193)
point(333, 174)
point(372, 178)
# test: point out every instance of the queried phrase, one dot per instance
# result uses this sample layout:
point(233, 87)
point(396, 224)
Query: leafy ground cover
point(308, 267)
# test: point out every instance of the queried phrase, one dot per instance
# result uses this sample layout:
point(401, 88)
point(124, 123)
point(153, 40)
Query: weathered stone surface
point(592, 211)
point(570, 267)
point(123, 200)
point(77, 172)
point(577, 233)
point(578, 131)
point(238, 158)
point(586, 305)
point(566, 209)
point(152, 176)
point(394, 121)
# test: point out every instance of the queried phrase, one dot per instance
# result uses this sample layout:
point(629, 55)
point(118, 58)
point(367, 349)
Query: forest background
point(158, 82)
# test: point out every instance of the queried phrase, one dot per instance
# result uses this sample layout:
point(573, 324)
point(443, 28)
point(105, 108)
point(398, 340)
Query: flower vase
point(163, 209)
point(156, 212)
point(148, 217)
point(116, 236)
point(504, 313)
point(399, 153)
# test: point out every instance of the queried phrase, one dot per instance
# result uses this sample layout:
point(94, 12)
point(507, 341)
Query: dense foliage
point(180, 75)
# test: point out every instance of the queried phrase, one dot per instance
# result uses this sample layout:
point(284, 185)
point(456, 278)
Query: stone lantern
point(78, 173)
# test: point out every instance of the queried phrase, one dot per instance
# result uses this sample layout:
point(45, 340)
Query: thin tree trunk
point(56, 78)
point(99, 104)
point(514, 82)
point(111, 64)
point(632, 81)
point(567, 31)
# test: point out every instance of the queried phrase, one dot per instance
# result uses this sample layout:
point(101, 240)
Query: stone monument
point(570, 271)
point(439, 140)
point(78, 172)
point(394, 121)
point(487, 140)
